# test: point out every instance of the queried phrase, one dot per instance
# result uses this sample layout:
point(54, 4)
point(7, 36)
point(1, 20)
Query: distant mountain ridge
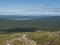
point(20, 17)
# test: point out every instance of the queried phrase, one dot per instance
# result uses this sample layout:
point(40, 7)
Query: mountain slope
point(46, 23)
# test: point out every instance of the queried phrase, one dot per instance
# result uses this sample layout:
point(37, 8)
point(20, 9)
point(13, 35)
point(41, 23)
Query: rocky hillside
point(31, 38)
point(20, 40)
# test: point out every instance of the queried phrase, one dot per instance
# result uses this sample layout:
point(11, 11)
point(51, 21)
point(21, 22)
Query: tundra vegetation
point(41, 37)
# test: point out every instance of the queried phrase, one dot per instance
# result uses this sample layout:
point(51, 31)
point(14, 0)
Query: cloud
point(48, 10)
point(43, 10)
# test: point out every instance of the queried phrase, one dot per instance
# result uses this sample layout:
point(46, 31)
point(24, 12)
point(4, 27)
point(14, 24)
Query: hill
point(46, 23)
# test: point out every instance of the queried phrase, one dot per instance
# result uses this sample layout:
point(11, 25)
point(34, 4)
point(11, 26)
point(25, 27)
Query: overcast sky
point(29, 7)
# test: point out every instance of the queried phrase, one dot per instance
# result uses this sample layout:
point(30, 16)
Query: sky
point(29, 7)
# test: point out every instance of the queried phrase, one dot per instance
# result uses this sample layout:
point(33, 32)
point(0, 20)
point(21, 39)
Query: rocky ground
point(20, 39)
point(31, 38)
